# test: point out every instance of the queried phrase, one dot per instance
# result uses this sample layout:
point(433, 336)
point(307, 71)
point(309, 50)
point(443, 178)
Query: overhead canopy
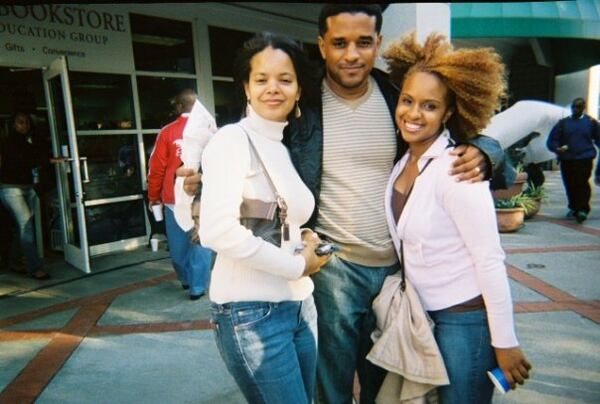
point(557, 19)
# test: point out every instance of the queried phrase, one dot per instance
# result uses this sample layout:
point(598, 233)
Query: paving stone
point(15, 355)
point(173, 367)
point(52, 321)
point(575, 272)
point(563, 348)
point(165, 302)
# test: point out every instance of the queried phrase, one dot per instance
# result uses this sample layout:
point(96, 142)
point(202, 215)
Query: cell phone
point(326, 249)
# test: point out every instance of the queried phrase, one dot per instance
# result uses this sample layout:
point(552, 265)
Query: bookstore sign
point(94, 38)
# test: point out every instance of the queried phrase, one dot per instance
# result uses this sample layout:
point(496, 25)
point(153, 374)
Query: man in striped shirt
point(344, 149)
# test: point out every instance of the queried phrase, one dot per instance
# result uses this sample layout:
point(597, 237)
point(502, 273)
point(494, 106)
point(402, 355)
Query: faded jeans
point(191, 261)
point(20, 202)
point(270, 349)
point(344, 294)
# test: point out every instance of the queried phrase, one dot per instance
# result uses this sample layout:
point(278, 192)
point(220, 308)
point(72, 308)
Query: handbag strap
point(402, 267)
point(278, 198)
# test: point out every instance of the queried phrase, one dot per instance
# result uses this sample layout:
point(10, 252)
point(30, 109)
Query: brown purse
point(267, 220)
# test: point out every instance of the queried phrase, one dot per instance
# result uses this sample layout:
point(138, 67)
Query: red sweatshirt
point(164, 161)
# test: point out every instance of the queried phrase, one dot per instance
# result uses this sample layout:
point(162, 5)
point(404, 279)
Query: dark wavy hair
point(306, 72)
point(331, 10)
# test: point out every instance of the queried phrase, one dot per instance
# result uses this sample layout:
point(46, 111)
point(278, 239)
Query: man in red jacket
point(190, 260)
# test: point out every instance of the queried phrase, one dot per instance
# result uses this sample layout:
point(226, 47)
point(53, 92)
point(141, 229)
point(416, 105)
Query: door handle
point(86, 174)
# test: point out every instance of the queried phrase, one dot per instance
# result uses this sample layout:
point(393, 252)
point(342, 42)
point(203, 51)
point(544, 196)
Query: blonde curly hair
point(475, 78)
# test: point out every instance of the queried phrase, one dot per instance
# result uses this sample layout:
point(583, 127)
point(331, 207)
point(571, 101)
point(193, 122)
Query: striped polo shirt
point(359, 146)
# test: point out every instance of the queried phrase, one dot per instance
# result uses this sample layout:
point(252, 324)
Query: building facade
point(98, 80)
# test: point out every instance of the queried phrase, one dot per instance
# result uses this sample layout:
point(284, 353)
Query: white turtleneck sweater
point(248, 268)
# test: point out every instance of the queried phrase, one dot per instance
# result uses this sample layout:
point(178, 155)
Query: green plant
point(538, 192)
point(510, 203)
point(528, 203)
point(520, 167)
point(519, 201)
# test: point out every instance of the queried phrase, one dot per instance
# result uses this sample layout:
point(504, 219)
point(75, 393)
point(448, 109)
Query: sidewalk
point(128, 333)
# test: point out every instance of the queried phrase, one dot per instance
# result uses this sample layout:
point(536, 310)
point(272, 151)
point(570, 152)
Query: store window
point(161, 44)
point(155, 94)
point(224, 44)
point(149, 141)
point(112, 165)
point(228, 107)
point(102, 101)
point(114, 222)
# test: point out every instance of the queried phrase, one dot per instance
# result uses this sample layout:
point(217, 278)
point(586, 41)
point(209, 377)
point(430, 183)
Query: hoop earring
point(297, 112)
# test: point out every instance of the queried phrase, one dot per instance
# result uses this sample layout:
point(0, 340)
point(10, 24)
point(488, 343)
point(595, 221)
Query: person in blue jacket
point(572, 139)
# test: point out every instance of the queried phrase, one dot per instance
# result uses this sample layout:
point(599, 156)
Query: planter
point(536, 204)
point(510, 219)
point(514, 190)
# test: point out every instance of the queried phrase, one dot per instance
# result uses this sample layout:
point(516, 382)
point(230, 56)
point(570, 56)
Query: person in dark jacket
point(572, 139)
point(344, 147)
point(21, 157)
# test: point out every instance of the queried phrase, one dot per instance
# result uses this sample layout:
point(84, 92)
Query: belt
point(473, 304)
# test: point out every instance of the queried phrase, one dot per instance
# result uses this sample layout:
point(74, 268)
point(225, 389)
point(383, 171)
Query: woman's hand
point(513, 363)
point(470, 165)
point(311, 240)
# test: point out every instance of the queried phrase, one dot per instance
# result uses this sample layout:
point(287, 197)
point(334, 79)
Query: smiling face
point(349, 48)
point(422, 109)
point(272, 86)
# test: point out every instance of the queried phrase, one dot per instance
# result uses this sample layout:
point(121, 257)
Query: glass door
point(73, 171)
point(94, 127)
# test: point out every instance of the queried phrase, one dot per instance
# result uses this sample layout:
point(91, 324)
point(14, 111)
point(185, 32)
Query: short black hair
point(26, 114)
point(579, 101)
point(331, 10)
point(305, 71)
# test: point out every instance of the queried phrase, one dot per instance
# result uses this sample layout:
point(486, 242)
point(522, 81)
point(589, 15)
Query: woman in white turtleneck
point(261, 294)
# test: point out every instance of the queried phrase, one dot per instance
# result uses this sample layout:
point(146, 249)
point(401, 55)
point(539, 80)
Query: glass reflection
point(102, 101)
point(73, 229)
point(113, 165)
point(149, 140)
point(115, 222)
point(224, 44)
point(228, 107)
point(155, 94)
point(162, 45)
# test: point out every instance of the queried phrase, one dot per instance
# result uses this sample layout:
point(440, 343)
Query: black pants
point(576, 178)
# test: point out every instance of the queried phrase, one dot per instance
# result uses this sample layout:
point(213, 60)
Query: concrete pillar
point(424, 18)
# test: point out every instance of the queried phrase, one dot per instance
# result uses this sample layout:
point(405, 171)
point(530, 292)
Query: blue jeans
point(344, 294)
point(20, 202)
point(191, 261)
point(465, 343)
point(270, 349)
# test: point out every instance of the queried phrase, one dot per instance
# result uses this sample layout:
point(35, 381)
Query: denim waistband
point(226, 307)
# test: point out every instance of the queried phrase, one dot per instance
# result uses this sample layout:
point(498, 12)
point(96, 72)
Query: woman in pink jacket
point(446, 230)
